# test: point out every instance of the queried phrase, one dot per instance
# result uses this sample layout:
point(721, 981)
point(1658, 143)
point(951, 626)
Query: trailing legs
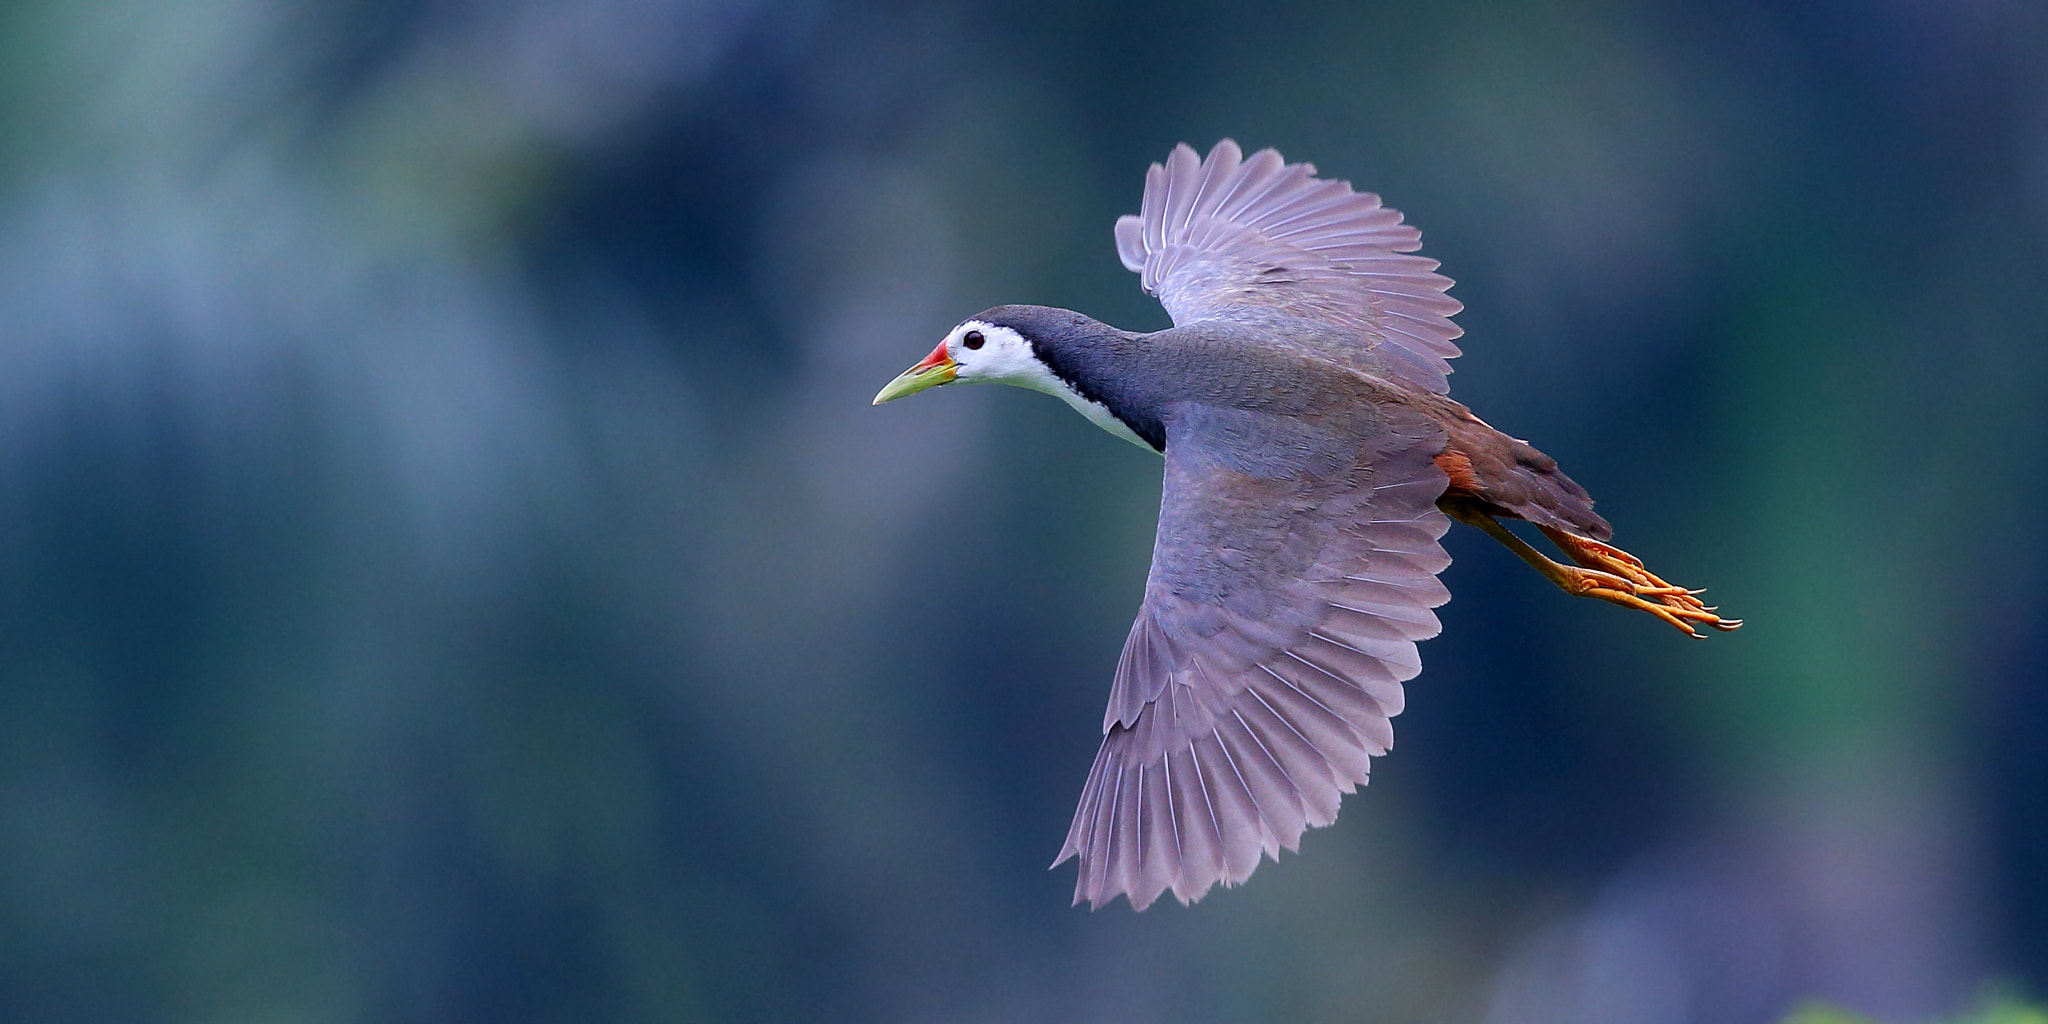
point(1603, 571)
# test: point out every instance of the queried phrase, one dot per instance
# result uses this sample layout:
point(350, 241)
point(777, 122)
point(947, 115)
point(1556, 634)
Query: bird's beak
point(937, 369)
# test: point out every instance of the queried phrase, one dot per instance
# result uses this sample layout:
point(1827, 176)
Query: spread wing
point(1226, 232)
point(1287, 591)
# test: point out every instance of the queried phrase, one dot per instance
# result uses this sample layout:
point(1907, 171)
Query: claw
point(1603, 571)
point(1646, 591)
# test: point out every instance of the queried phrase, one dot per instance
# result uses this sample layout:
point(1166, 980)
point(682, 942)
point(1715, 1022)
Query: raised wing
point(1280, 619)
point(1228, 232)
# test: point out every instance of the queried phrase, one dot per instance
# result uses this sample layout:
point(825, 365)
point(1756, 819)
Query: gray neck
point(1102, 365)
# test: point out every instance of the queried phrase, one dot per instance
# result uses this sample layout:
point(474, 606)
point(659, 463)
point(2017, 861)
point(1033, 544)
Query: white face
point(984, 353)
point(987, 354)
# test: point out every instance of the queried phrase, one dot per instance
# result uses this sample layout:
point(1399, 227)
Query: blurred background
point(450, 569)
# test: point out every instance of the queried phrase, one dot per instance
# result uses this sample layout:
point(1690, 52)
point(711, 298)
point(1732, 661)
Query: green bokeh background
point(449, 568)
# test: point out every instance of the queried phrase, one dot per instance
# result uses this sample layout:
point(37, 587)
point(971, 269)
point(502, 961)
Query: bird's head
point(1059, 352)
point(976, 351)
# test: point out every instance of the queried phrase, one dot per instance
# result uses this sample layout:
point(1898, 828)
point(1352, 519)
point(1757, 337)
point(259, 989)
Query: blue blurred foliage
point(449, 568)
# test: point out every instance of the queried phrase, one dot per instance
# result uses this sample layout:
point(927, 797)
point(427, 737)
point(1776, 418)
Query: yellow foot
point(1612, 574)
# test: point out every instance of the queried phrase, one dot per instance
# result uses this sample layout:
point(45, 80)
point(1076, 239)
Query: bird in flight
point(1314, 459)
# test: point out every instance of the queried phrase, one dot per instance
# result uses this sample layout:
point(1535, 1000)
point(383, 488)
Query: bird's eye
point(972, 339)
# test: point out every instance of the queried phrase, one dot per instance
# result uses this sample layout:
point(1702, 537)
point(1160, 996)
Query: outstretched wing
point(1228, 232)
point(1288, 589)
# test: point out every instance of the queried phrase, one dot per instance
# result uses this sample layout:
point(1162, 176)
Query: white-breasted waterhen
point(1313, 460)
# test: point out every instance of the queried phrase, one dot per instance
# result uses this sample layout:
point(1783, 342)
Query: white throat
point(1096, 412)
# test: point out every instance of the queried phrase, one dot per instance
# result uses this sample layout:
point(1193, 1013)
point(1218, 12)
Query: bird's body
point(1313, 459)
point(1269, 365)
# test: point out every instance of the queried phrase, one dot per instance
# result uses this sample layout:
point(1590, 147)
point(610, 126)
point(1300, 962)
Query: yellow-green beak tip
point(937, 368)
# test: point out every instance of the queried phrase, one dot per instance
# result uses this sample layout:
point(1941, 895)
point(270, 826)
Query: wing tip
point(1130, 242)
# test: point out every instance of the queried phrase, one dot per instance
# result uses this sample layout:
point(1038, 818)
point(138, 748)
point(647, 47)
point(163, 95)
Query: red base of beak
point(938, 356)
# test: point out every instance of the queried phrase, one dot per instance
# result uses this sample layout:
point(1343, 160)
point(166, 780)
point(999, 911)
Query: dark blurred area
point(450, 569)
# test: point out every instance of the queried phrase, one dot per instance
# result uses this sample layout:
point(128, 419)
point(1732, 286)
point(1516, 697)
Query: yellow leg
point(1604, 571)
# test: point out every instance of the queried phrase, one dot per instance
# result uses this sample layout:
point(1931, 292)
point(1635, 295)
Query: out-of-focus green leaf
point(1816, 1013)
point(1998, 1012)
